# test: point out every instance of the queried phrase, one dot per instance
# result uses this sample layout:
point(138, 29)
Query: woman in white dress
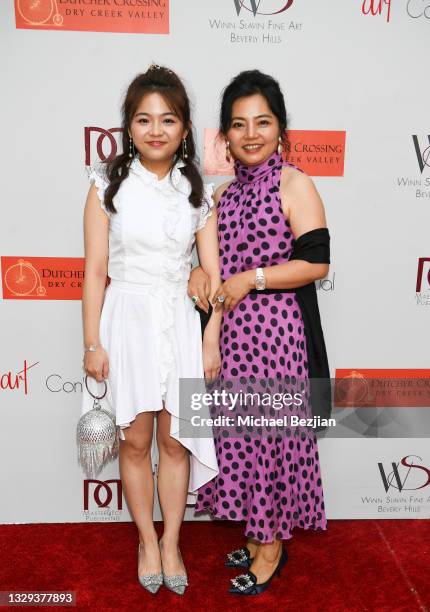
point(142, 333)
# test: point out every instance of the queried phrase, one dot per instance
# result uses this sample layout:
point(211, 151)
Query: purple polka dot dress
point(272, 482)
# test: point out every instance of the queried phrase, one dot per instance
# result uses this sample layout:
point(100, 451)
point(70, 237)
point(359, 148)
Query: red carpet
point(353, 566)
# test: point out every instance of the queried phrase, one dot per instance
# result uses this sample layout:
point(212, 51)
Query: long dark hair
point(249, 83)
point(157, 79)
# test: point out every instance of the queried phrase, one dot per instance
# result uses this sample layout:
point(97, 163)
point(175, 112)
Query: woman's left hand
point(234, 290)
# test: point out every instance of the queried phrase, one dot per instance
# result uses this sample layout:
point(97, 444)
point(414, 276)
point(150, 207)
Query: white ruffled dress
point(149, 326)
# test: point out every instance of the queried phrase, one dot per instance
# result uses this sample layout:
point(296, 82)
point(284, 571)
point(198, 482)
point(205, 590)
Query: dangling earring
point(184, 149)
point(227, 151)
point(280, 146)
point(131, 149)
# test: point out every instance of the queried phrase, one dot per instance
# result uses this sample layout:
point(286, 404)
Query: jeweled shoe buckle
point(238, 556)
point(243, 582)
point(151, 579)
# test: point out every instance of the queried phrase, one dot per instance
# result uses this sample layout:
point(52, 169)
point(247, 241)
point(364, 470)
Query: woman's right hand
point(96, 364)
point(211, 359)
point(200, 286)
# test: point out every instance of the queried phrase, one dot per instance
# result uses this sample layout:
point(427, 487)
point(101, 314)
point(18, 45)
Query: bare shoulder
point(93, 200)
point(296, 181)
point(94, 211)
point(220, 190)
point(301, 202)
point(298, 192)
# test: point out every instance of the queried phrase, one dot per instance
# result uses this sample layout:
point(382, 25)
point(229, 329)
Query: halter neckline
point(251, 174)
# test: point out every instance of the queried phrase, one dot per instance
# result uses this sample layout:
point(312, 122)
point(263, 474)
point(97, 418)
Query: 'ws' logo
point(405, 475)
point(423, 156)
point(262, 7)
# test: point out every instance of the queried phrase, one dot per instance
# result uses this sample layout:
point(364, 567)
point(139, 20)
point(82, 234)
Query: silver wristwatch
point(260, 280)
point(92, 348)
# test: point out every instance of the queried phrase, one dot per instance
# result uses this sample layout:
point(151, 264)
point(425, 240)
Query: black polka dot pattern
point(272, 483)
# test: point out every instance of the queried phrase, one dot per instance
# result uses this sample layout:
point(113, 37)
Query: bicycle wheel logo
point(23, 279)
point(40, 12)
point(352, 390)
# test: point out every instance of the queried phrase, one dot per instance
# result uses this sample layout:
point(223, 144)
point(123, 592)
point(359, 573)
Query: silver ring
point(195, 299)
point(221, 299)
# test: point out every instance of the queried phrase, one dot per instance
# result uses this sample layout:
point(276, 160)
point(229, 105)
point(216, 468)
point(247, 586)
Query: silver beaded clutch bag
point(96, 437)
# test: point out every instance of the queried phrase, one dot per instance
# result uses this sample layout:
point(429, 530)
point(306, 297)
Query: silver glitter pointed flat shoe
point(177, 584)
point(150, 582)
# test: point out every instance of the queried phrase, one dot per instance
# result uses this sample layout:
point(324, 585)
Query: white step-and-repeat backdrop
point(356, 85)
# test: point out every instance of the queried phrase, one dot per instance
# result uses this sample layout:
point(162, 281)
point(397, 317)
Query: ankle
point(148, 540)
point(169, 543)
point(270, 553)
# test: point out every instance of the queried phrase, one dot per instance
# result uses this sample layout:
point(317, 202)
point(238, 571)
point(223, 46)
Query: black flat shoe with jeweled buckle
point(246, 584)
point(239, 558)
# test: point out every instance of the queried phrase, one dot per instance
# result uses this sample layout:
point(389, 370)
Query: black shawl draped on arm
point(314, 247)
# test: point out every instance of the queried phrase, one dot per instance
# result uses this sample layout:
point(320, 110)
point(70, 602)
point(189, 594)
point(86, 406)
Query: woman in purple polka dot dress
point(271, 482)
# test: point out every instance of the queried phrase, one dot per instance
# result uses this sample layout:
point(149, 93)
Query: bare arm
point(208, 251)
point(304, 209)
point(96, 232)
point(199, 283)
